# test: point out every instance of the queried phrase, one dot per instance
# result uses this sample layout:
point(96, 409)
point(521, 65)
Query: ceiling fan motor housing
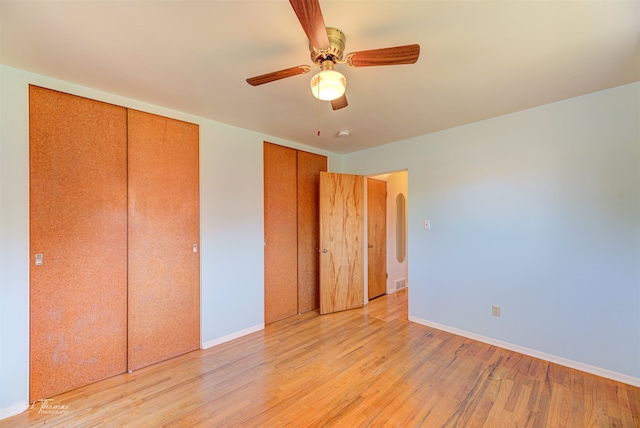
point(335, 50)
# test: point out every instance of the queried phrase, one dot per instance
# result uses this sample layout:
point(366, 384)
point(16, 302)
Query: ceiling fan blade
point(339, 103)
point(310, 17)
point(388, 56)
point(277, 75)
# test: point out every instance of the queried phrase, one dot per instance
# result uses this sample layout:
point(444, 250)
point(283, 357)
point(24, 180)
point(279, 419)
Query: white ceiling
point(479, 59)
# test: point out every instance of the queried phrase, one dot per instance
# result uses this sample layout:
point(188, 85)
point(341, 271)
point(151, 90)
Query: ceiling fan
point(326, 45)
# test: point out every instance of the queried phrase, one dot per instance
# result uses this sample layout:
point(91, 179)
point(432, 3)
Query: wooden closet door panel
point(164, 226)
point(309, 167)
point(341, 239)
point(280, 233)
point(377, 237)
point(78, 222)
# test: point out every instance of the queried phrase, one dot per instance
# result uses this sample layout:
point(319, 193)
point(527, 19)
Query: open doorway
point(396, 229)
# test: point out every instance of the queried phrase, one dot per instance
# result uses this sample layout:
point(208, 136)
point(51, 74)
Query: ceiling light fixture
point(328, 84)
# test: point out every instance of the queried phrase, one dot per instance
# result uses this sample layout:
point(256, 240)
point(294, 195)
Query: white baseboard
point(14, 409)
point(620, 377)
point(229, 337)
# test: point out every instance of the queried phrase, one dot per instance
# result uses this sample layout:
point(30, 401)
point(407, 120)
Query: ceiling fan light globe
point(328, 85)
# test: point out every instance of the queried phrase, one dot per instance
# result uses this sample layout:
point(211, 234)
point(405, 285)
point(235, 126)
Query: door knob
point(370, 246)
point(324, 250)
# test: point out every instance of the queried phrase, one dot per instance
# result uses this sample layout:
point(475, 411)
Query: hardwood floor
point(364, 367)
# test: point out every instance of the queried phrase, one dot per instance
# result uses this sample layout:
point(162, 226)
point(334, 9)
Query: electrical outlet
point(495, 310)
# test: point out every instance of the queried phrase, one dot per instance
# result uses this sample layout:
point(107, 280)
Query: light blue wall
point(14, 244)
point(231, 231)
point(231, 224)
point(537, 211)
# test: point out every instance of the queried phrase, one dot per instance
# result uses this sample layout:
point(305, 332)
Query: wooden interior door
point(309, 167)
point(164, 236)
point(78, 224)
point(377, 237)
point(341, 242)
point(280, 233)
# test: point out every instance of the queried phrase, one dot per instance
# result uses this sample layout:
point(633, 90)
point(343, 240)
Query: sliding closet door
point(78, 241)
point(280, 233)
point(164, 231)
point(309, 167)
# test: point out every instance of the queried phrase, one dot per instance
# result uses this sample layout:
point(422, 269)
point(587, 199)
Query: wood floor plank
point(367, 367)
